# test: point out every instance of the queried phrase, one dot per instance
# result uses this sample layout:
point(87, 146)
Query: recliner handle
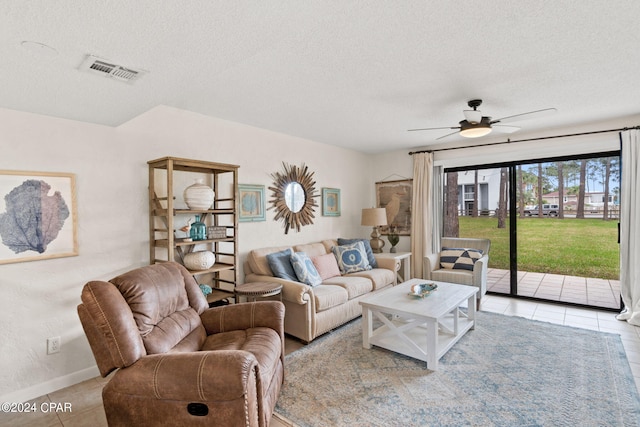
point(198, 409)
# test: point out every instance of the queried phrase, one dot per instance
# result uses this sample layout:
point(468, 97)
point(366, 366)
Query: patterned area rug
point(509, 371)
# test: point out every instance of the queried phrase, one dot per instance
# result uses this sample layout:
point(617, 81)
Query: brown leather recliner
point(180, 362)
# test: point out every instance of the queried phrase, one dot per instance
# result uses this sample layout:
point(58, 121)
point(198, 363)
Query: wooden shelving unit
point(168, 177)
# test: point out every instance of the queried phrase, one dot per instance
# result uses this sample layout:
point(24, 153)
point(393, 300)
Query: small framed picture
point(252, 203)
point(330, 202)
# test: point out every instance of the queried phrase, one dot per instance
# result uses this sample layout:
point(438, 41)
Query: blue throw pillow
point(367, 248)
point(280, 264)
point(351, 258)
point(305, 270)
point(459, 258)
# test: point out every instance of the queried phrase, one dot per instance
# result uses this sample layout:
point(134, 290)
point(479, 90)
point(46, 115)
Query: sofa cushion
point(257, 259)
point(327, 296)
point(354, 285)
point(326, 265)
point(280, 264)
point(351, 258)
point(367, 249)
point(311, 249)
point(459, 258)
point(305, 270)
point(380, 277)
point(461, 277)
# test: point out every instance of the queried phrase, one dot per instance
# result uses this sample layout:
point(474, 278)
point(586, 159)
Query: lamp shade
point(374, 217)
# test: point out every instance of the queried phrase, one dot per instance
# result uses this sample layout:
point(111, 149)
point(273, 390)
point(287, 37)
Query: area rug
point(509, 371)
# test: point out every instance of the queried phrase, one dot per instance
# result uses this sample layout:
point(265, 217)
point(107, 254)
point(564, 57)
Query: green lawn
point(574, 247)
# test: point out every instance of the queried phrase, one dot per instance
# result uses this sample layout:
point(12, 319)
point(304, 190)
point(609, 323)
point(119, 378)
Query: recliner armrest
point(269, 314)
point(223, 375)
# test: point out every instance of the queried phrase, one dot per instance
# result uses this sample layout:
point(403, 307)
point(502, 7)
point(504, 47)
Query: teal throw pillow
point(367, 248)
point(280, 264)
point(305, 270)
point(351, 258)
point(459, 258)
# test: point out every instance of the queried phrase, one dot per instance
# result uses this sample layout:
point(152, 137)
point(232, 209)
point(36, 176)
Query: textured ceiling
point(355, 74)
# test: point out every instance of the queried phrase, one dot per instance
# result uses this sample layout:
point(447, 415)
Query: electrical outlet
point(53, 345)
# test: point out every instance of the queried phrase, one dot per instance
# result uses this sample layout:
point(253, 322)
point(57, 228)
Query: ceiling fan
point(476, 125)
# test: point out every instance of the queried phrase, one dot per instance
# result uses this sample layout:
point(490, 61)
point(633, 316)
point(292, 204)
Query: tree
point(520, 192)
point(529, 182)
point(571, 172)
point(560, 191)
point(451, 223)
point(502, 199)
point(540, 212)
point(581, 188)
point(474, 212)
point(607, 175)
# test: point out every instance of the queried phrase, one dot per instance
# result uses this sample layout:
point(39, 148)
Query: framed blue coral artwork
point(38, 216)
point(252, 203)
point(330, 202)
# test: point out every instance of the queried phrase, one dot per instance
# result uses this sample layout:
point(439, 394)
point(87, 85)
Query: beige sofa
point(313, 311)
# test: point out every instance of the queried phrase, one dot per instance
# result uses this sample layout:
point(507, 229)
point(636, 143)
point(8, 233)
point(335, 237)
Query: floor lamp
point(375, 217)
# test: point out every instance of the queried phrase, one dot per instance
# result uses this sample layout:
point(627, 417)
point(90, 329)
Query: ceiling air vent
point(107, 68)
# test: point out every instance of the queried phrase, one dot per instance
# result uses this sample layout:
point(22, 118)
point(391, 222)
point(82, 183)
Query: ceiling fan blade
point(525, 116)
point(447, 135)
point(449, 127)
point(505, 129)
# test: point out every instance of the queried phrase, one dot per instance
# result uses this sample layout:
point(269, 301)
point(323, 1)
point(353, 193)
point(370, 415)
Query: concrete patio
point(554, 287)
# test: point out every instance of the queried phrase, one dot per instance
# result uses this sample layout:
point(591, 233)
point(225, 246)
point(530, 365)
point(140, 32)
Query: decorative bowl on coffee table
point(422, 290)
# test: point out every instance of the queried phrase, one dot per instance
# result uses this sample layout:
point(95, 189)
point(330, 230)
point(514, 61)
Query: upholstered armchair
point(178, 361)
point(455, 265)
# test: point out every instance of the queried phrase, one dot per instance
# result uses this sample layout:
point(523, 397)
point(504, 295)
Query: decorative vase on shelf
point(198, 196)
point(199, 260)
point(393, 240)
point(198, 230)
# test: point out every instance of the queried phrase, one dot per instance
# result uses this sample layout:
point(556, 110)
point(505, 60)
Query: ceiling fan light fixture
point(475, 130)
point(473, 116)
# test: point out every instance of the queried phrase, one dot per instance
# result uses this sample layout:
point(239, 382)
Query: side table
point(255, 290)
point(405, 263)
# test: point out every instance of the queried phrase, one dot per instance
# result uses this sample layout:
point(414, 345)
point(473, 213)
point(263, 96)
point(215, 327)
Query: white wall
point(38, 299)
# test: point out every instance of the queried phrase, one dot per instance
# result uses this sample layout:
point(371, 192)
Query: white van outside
point(547, 210)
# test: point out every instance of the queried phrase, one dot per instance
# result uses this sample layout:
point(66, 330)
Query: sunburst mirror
point(293, 196)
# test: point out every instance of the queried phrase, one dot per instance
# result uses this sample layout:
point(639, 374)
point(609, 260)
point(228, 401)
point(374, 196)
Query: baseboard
point(50, 386)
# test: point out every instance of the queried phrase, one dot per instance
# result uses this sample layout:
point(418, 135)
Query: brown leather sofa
point(178, 361)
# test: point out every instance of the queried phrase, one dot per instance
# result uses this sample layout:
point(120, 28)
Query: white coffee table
point(424, 329)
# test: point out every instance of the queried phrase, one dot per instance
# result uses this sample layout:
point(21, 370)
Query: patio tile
point(571, 289)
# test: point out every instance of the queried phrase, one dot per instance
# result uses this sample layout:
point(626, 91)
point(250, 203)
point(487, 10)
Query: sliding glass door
point(553, 226)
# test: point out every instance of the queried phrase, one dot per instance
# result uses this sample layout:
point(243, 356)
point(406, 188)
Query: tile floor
point(86, 400)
